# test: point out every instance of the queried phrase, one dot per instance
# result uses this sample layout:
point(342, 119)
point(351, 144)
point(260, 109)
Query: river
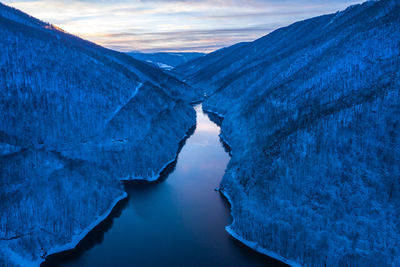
point(177, 221)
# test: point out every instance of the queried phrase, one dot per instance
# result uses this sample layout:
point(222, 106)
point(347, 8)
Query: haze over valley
point(256, 133)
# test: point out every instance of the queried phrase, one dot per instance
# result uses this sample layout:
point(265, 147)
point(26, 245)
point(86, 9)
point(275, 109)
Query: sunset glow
point(156, 25)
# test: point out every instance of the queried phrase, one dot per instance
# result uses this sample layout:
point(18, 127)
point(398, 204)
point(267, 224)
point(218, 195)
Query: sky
point(174, 25)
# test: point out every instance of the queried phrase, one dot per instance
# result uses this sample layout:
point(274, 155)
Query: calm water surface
point(177, 221)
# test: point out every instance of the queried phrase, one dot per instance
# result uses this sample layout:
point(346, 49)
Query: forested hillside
point(312, 114)
point(76, 118)
point(166, 60)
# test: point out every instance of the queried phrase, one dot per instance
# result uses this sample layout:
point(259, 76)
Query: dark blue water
point(178, 221)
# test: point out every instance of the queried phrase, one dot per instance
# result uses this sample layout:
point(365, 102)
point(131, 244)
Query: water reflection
point(177, 221)
point(218, 121)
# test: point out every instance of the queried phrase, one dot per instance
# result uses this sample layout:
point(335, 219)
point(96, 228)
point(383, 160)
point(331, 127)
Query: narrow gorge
point(105, 159)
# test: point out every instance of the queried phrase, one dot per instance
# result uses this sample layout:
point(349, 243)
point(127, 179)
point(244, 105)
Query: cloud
point(174, 25)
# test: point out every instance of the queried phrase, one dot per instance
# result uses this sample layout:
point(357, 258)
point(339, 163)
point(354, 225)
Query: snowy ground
point(311, 113)
point(76, 119)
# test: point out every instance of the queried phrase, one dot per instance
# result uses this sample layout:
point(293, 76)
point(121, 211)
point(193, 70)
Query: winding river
point(177, 221)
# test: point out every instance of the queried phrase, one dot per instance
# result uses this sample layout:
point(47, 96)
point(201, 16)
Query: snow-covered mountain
point(76, 118)
point(166, 60)
point(312, 113)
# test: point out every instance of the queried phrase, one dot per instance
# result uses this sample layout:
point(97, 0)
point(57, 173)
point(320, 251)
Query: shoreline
point(251, 244)
point(79, 237)
point(157, 176)
point(221, 135)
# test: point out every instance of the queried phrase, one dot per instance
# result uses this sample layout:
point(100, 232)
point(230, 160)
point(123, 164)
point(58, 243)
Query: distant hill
point(166, 60)
point(312, 113)
point(76, 119)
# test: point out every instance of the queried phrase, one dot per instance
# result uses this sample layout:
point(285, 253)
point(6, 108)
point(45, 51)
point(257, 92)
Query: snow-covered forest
point(76, 119)
point(312, 114)
point(166, 60)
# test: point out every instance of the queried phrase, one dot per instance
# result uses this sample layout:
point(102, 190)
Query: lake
point(177, 221)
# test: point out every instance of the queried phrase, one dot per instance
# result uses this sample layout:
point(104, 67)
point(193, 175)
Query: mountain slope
point(312, 113)
point(76, 118)
point(166, 60)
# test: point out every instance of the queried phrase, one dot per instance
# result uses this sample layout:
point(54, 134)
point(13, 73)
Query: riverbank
point(229, 229)
point(180, 216)
point(156, 176)
point(253, 245)
point(78, 238)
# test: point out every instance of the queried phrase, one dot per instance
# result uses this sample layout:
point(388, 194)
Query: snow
point(166, 60)
point(6, 149)
point(258, 248)
point(157, 174)
point(221, 135)
point(311, 113)
point(118, 109)
point(78, 237)
point(165, 66)
point(76, 118)
point(22, 261)
point(251, 244)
